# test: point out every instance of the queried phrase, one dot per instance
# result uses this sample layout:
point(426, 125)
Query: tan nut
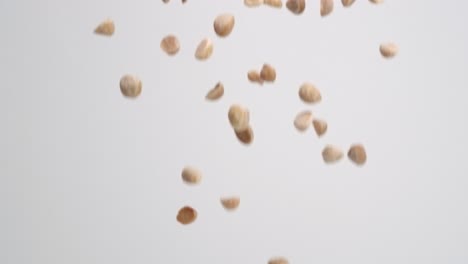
point(130, 86)
point(204, 49)
point(253, 3)
point(254, 76)
point(326, 7)
point(296, 6)
point(239, 117)
point(376, 1)
point(309, 93)
point(245, 136)
point(223, 24)
point(170, 45)
point(273, 3)
point(347, 3)
point(268, 73)
point(278, 260)
point(105, 28)
point(230, 203)
point(191, 175)
point(320, 126)
point(357, 154)
point(388, 50)
point(186, 215)
point(303, 120)
point(332, 154)
point(215, 93)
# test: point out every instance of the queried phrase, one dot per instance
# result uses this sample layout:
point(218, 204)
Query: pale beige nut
point(191, 175)
point(130, 86)
point(245, 136)
point(230, 203)
point(320, 126)
point(347, 3)
point(268, 73)
point(105, 28)
point(204, 49)
point(254, 76)
point(170, 44)
point(274, 3)
point(357, 154)
point(216, 92)
point(253, 3)
point(326, 7)
point(308, 93)
point(296, 6)
point(376, 1)
point(388, 50)
point(239, 117)
point(303, 120)
point(332, 154)
point(186, 215)
point(278, 260)
point(223, 24)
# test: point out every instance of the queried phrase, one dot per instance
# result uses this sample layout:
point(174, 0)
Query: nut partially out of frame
point(388, 50)
point(216, 92)
point(230, 203)
point(303, 120)
point(309, 93)
point(105, 28)
point(245, 136)
point(223, 24)
point(357, 154)
point(239, 117)
point(274, 3)
point(376, 1)
point(326, 7)
point(130, 86)
point(332, 154)
point(296, 6)
point(191, 175)
point(253, 3)
point(268, 73)
point(204, 49)
point(278, 260)
point(347, 3)
point(186, 215)
point(170, 45)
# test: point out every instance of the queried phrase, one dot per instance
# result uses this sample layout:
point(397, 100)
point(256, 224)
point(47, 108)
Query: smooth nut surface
point(204, 49)
point(278, 260)
point(357, 154)
point(332, 154)
point(309, 93)
point(224, 24)
point(215, 93)
point(239, 117)
point(273, 3)
point(105, 28)
point(296, 6)
point(268, 73)
point(245, 136)
point(347, 3)
point(253, 3)
point(376, 1)
point(388, 50)
point(191, 175)
point(320, 126)
point(170, 44)
point(254, 76)
point(326, 7)
point(230, 203)
point(130, 86)
point(186, 215)
point(303, 120)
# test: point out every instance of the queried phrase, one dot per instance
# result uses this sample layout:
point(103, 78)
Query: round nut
point(357, 154)
point(224, 24)
point(254, 76)
point(303, 120)
point(230, 203)
point(130, 86)
point(388, 50)
point(296, 6)
point(170, 45)
point(268, 73)
point(191, 175)
point(331, 154)
point(186, 215)
point(309, 93)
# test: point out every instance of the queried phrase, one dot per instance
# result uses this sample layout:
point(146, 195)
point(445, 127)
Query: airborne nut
point(239, 117)
point(245, 136)
point(216, 92)
point(105, 28)
point(130, 86)
point(376, 1)
point(224, 24)
point(296, 6)
point(268, 73)
point(204, 49)
point(347, 3)
point(186, 215)
point(170, 44)
point(326, 7)
point(357, 154)
point(253, 3)
point(303, 120)
point(388, 50)
point(331, 154)
point(254, 76)
point(273, 3)
point(191, 175)
point(278, 260)
point(320, 126)
point(309, 93)
point(230, 203)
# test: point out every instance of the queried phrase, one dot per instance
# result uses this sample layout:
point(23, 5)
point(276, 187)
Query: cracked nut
point(130, 86)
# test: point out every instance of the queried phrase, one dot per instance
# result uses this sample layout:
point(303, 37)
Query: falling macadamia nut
point(268, 73)
point(215, 93)
point(105, 28)
point(170, 45)
point(191, 175)
point(278, 260)
point(130, 86)
point(347, 3)
point(320, 126)
point(223, 24)
point(309, 93)
point(326, 7)
point(332, 154)
point(376, 1)
point(357, 154)
point(204, 49)
point(273, 3)
point(245, 136)
point(297, 7)
point(239, 117)
point(253, 3)
point(303, 120)
point(186, 215)
point(388, 50)
point(230, 203)
point(254, 76)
